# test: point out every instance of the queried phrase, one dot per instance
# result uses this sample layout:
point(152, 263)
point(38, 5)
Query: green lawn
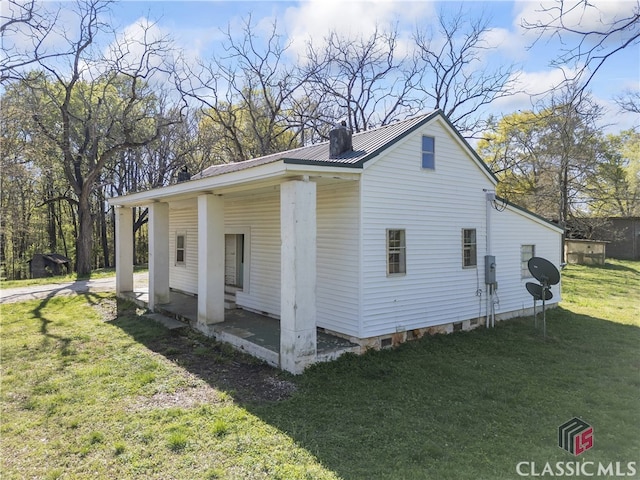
point(87, 398)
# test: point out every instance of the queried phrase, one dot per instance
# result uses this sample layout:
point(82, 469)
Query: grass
point(83, 398)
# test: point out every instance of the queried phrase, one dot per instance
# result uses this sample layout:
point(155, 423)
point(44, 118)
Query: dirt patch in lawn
point(244, 378)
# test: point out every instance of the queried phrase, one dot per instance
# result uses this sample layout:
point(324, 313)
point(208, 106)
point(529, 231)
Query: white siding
point(510, 230)
point(183, 218)
point(433, 206)
point(338, 257)
point(261, 214)
point(337, 254)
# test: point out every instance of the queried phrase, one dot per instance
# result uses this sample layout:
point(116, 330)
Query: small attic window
point(428, 152)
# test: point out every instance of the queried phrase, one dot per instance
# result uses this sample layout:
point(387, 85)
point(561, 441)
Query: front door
point(234, 260)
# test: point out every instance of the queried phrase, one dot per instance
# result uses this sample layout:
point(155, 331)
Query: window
point(526, 253)
point(396, 252)
point(469, 248)
point(180, 248)
point(428, 152)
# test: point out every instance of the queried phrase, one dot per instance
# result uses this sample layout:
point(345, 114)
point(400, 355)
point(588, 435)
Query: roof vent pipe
point(340, 141)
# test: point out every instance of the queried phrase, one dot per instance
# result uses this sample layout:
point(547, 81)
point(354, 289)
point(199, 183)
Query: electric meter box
point(490, 269)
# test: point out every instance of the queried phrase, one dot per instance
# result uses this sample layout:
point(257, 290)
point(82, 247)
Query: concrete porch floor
point(255, 334)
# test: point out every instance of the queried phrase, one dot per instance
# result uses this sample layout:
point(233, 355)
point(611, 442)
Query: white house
point(377, 237)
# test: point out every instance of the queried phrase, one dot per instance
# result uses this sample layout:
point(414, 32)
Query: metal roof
point(366, 145)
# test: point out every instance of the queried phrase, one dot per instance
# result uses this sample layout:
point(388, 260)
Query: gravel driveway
point(34, 292)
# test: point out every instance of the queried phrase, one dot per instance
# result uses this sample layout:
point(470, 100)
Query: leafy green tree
point(100, 104)
point(615, 188)
point(545, 159)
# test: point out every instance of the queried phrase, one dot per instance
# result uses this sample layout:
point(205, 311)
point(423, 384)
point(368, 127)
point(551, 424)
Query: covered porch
point(287, 236)
point(250, 332)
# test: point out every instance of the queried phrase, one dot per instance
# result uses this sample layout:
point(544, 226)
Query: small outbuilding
point(48, 264)
point(585, 252)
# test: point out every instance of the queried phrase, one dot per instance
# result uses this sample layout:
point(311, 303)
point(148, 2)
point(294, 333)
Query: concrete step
point(230, 301)
point(232, 289)
point(168, 322)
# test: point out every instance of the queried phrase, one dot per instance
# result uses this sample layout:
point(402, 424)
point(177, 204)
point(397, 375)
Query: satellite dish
point(536, 291)
point(547, 274)
point(544, 271)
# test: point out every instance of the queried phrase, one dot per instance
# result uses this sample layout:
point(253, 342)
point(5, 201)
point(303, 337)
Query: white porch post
point(158, 254)
point(210, 260)
point(298, 275)
point(124, 249)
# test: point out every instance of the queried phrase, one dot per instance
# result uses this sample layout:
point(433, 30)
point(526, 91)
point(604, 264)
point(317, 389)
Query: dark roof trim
point(319, 163)
point(528, 212)
point(408, 131)
point(469, 147)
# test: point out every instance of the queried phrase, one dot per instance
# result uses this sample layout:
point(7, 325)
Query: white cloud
point(533, 86)
point(314, 19)
point(512, 45)
point(577, 13)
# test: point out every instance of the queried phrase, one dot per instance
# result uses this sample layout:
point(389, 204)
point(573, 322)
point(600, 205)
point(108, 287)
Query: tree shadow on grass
point(245, 378)
point(45, 323)
point(615, 267)
point(467, 405)
point(39, 313)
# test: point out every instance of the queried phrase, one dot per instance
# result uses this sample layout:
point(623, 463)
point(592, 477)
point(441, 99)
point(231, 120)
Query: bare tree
point(24, 28)
point(588, 48)
point(455, 78)
point(629, 101)
point(364, 80)
point(97, 106)
point(248, 95)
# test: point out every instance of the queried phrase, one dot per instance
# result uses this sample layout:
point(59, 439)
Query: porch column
point(298, 275)
point(210, 259)
point(158, 254)
point(124, 249)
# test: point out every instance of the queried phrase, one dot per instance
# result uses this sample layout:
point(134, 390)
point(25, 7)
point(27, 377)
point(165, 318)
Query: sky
point(198, 29)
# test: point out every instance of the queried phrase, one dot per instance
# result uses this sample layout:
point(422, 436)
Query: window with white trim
point(428, 152)
point(181, 248)
point(526, 253)
point(469, 248)
point(396, 252)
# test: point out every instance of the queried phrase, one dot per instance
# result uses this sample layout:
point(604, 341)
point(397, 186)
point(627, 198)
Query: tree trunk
point(61, 230)
point(84, 242)
point(51, 227)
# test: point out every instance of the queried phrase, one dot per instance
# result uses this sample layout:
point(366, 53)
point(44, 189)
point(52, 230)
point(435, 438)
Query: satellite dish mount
point(547, 274)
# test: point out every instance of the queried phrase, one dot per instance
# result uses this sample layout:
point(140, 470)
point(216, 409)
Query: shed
point(48, 264)
point(585, 252)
